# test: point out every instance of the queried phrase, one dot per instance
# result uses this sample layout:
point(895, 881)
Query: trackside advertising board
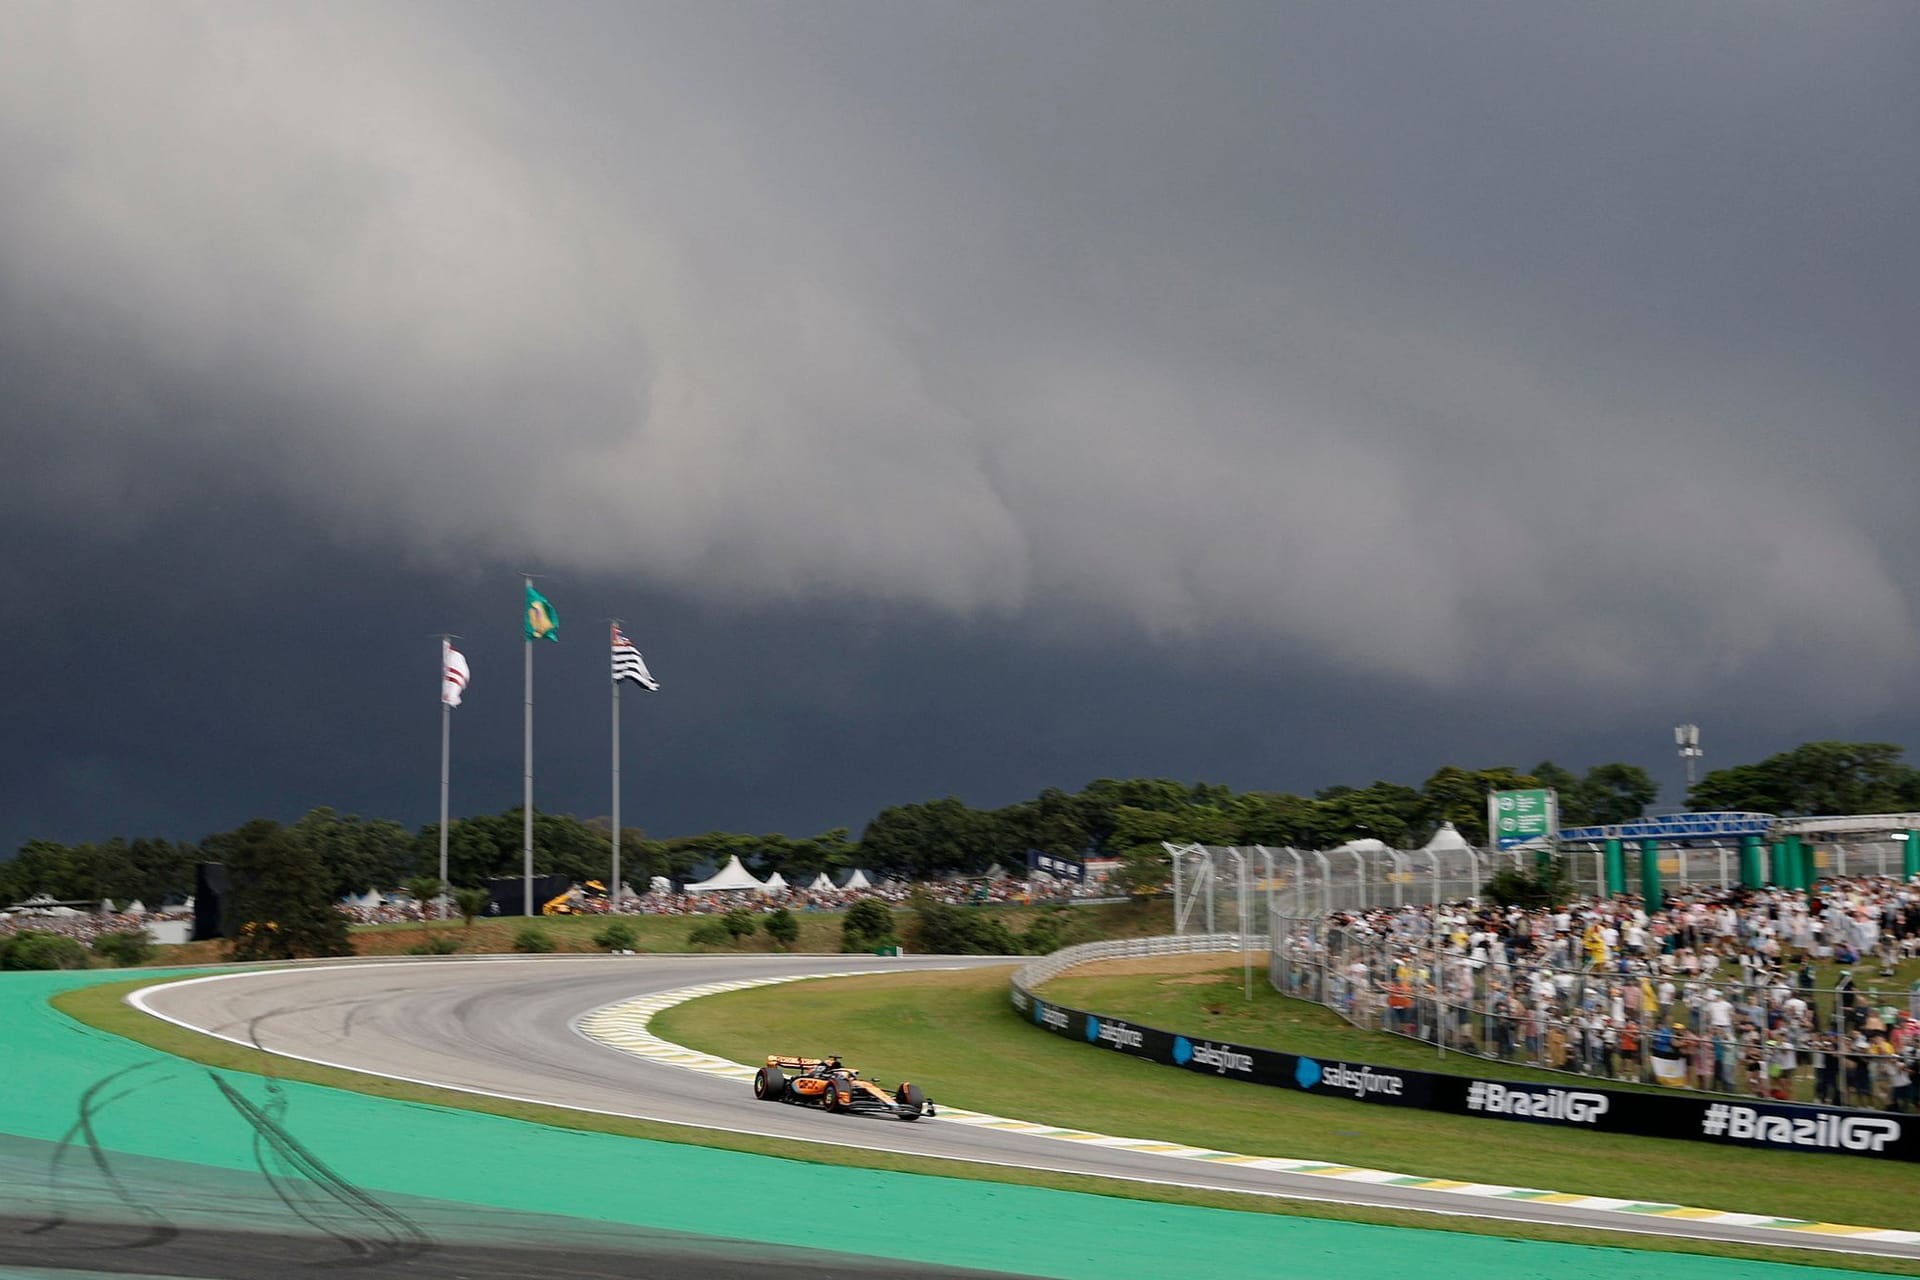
point(1703, 1118)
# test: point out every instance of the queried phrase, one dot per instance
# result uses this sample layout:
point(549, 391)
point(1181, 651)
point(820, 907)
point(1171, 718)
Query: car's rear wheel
point(769, 1084)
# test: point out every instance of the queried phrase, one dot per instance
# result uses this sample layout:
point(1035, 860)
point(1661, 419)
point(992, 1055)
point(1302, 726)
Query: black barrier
point(506, 895)
point(210, 889)
point(1722, 1119)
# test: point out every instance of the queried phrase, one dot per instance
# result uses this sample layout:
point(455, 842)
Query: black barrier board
point(211, 888)
point(1717, 1118)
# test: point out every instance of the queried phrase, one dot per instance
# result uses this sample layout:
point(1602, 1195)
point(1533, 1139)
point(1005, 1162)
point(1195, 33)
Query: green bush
point(741, 922)
point(1530, 889)
point(617, 936)
point(868, 924)
point(782, 927)
point(1046, 934)
point(125, 949)
point(958, 931)
point(445, 944)
point(43, 951)
point(711, 932)
point(533, 941)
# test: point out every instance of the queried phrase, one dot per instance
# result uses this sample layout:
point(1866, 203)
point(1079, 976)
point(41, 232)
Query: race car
point(829, 1084)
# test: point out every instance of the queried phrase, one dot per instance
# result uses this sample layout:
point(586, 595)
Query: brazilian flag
point(542, 622)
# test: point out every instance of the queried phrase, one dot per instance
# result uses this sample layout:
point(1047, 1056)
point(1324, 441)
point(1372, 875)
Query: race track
point(505, 1026)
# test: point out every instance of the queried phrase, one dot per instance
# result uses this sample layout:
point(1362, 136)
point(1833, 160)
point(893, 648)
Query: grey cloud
point(1456, 349)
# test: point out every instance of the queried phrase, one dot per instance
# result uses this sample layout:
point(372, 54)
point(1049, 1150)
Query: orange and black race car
point(827, 1083)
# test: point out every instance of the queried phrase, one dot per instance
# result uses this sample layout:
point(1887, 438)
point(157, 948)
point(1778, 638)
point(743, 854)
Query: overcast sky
point(953, 398)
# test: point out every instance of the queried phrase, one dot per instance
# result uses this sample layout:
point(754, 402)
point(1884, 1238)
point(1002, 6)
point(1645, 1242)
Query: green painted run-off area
point(173, 1110)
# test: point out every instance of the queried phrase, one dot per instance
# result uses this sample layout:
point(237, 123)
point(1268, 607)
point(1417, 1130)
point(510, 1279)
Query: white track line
point(626, 1026)
point(1478, 1200)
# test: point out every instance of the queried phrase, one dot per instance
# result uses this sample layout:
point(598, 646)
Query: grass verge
point(104, 1007)
point(955, 1034)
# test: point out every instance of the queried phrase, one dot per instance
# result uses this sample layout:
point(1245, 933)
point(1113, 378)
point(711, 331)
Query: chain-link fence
point(1391, 942)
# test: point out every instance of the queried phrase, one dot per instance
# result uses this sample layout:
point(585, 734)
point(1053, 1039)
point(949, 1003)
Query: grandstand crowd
point(1779, 994)
point(591, 899)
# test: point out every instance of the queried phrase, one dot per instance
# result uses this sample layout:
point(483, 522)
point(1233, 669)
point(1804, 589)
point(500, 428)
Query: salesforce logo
point(1118, 1034)
point(1359, 1081)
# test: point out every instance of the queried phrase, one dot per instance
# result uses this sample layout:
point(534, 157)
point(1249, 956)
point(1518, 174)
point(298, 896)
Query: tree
point(1277, 818)
point(1385, 811)
point(1816, 778)
point(281, 896)
point(358, 854)
point(1143, 872)
point(1616, 793)
point(920, 841)
point(867, 926)
point(1052, 822)
point(470, 903)
point(423, 890)
point(1459, 796)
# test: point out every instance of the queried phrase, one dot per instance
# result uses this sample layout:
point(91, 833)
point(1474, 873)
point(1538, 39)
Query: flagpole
point(526, 793)
point(615, 887)
point(446, 738)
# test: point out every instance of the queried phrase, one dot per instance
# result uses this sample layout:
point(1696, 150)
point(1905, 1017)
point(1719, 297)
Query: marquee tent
point(776, 883)
point(1446, 840)
point(732, 877)
point(858, 880)
point(822, 883)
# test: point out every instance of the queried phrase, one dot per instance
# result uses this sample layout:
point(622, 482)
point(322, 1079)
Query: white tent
point(822, 883)
point(776, 883)
point(732, 876)
point(1364, 846)
point(996, 872)
point(659, 884)
point(106, 906)
point(1446, 840)
point(370, 899)
point(858, 880)
point(136, 908)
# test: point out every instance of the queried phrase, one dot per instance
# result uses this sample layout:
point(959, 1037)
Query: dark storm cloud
point(1558, 353)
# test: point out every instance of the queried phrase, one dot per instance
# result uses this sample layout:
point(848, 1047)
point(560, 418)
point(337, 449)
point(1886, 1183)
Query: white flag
point(453, 674)
point(628, 664)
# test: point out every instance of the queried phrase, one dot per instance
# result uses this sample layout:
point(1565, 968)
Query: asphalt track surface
point(505, 1027)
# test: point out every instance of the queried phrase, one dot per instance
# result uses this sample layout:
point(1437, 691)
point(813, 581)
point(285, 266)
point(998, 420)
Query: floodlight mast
point(1686, 739)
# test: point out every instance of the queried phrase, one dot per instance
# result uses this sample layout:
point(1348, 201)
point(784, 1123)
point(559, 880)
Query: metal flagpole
point(526, 793)
point(614, 888)
point(446, 737)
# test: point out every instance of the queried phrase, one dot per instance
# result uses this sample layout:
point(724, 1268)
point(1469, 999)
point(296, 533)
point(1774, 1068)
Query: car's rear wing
point(794, 1064)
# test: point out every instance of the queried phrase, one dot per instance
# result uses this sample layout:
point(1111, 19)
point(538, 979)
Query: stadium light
point(1686, 738)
